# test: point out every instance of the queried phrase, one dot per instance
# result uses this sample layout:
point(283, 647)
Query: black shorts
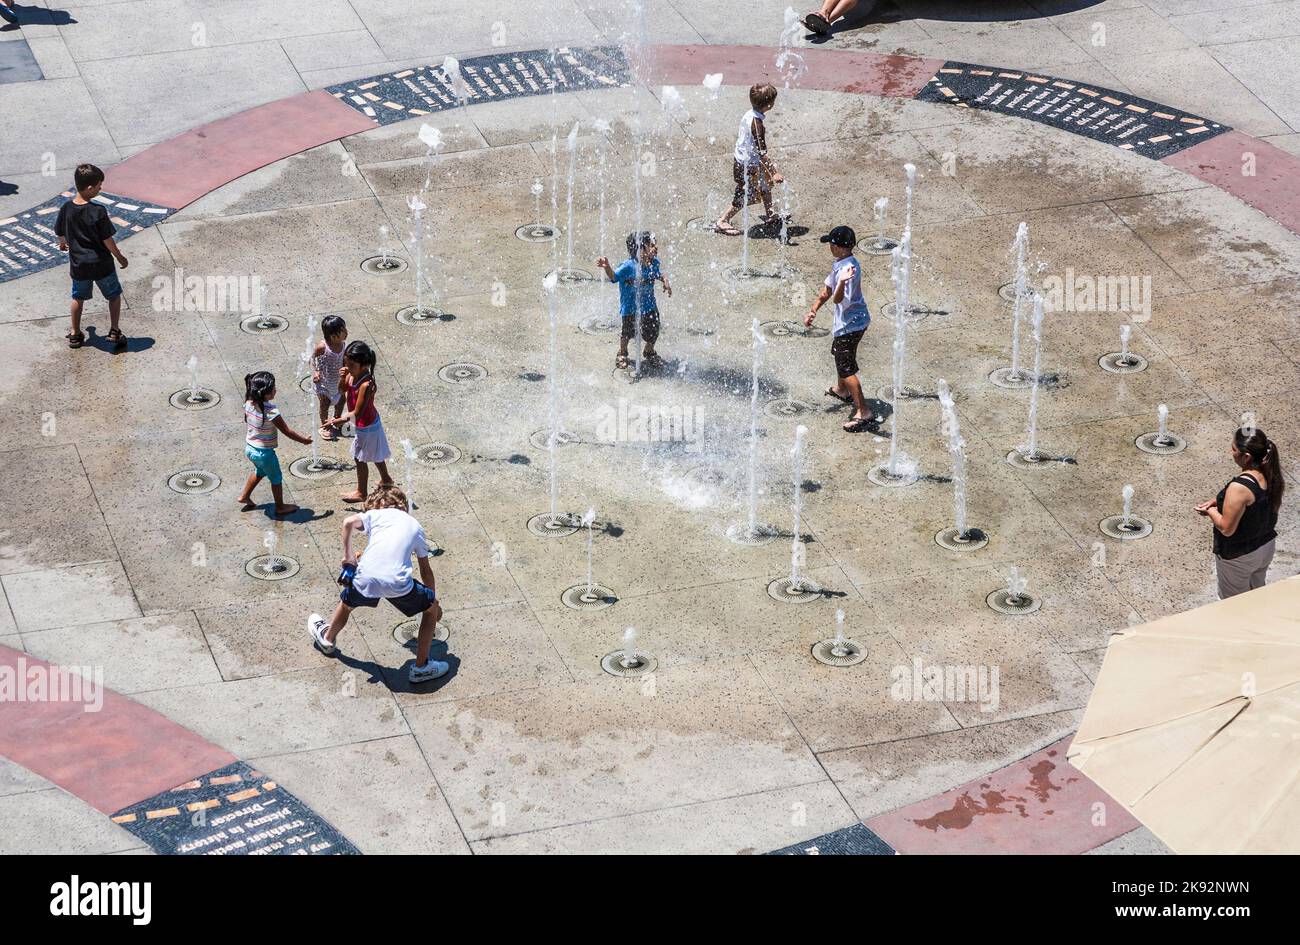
point(413, 603)
point(649, 327)
point(844, 348)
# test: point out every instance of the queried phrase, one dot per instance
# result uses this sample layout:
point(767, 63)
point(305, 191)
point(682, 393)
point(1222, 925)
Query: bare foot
point(352, 497)
point(285, 509)
point(246, 504)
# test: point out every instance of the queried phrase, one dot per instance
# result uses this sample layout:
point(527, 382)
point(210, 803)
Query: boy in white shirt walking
point(384, 573)
point(751, 169)
point(843, 289)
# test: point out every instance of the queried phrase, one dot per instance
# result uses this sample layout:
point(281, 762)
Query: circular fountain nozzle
point(1120, 363)
point(193, 482)
point(435, 455)
point(537, 232)
point(1007, 379)
point(579, 597)
point(314, 470)
point(618, 664)
point(839, 653)
point(272, 567)
point(789, 591)
point(972, 539)
point(1157, 445)
point(408, 631)
point(1005, 602)
point(1130, 529)
point(560, 525)
point(263, 324)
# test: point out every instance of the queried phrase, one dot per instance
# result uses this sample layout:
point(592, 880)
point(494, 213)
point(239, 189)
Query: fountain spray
point(553, 405)
point(571, 143)
point(1020, 248)
point(901, 275)
point(630, 659)
point(1030, 450)
point(760, 344)
point(418, 207)
point(192, 365)
point(957, 447)
point(1127, 494)
point(589, 520)
point(432, 139)
point(408, 452)
point(1162, 415)
point(602, 129)
point(796, 545)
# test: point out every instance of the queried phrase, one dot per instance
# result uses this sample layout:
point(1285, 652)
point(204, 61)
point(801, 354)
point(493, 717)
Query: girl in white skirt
point(370, 445)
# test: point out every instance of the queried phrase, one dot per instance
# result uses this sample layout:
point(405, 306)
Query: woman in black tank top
point(1244, 514)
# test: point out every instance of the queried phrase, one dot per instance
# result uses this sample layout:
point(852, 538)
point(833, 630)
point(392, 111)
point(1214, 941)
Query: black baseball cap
point(841, 236)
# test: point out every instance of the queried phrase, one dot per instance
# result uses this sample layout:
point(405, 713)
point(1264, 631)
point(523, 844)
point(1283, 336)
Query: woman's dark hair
point(637, 240)
point(258, 387)
point(331, 325)
point(360, 352)
point(1263, 456)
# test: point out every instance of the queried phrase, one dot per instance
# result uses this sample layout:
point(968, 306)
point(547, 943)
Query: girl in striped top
point(328, 359)
point(263, 423)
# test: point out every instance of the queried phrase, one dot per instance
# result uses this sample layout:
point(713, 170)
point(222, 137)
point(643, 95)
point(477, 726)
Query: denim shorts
point(265, 462)
point(413, 603)
point(109, 287)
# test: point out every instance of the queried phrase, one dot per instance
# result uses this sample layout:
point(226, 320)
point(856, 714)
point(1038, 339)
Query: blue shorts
point(265, 462)
point(109, 287)
point(413, 603)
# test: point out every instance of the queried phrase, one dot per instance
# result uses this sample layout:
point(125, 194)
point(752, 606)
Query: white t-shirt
point(851, 314)
point(385, 567)
point(747, 151)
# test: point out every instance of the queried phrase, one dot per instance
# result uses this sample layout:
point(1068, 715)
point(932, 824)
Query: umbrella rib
point(1200, 748)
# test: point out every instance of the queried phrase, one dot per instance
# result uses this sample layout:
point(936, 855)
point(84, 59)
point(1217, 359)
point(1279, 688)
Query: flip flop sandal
point(817, 23)
point(117, 339)
point(830, 392)
point(859, 424)
point(75, 340)
point(621, 362)
point(726, 230)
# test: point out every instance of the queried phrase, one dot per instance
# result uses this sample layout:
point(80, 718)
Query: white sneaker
point(316, 626)
point(428, 672)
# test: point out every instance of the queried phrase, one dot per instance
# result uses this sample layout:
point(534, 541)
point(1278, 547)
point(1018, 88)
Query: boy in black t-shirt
point(86, 234)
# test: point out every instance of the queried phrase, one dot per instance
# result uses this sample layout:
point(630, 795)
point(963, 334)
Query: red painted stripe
point(1273, 188)
point(828, 70)
point(111, 759)
point(182, 169)
point(1038, 805)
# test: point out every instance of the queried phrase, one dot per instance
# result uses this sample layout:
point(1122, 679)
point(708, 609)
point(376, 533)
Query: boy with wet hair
point(384, 573)
point(751, 168)
point(85, 233)
point(636, 277)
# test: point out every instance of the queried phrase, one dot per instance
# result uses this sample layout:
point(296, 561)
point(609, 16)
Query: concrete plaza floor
point(741, 741)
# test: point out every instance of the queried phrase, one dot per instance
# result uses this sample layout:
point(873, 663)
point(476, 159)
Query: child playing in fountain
point(751, 168)
point(262, 420)
point(843, 288)
point(370, 445)
point(636, 277)
point(85, 233)
point(384, 572)
point(327, 360)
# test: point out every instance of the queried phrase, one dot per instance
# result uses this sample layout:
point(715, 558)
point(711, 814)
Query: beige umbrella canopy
point(1194, 724)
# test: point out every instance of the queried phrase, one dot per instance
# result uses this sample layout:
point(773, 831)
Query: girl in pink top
point(370, 445)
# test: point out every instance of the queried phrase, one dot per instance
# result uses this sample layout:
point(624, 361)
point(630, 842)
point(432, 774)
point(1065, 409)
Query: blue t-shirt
point(636, 286)
point(851, 314)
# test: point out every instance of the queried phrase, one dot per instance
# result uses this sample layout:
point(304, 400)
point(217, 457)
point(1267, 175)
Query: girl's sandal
point(75, 339)
point(727, 230)
point(328, 433)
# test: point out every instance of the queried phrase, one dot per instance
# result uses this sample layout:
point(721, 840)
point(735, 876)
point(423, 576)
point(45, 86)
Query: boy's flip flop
point(859, 424)
point(726, 230)
point(830, 392)
point(817, 23)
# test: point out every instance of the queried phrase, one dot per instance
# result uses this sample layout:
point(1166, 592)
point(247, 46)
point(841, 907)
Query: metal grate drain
point(785, 329)
point(198, 398)
point(1114, 526)
point(462, 372)
point(881, 476)
point(1007, 291)
point(562, 525)
point(786, 408)
point(914, 312)
point(272, 567)
point(599, 325)
point(1003, 377)
point(761, 534)
point(839, 652)
point(617, 664)
point(580, 598)
point(1157, 445)
point(537, 232)
point(436, 455)
point(419, 315)
point(314, 470)
point(880, 245)
point(793, 592)
point(1036, 460)
point(973, 539)
point(541, 439)
point(571, 276)
point(1119, 363)
point(383, 265)
point(408, 630)
point(194, 482)
point(263, 324)
point(1002, 601)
